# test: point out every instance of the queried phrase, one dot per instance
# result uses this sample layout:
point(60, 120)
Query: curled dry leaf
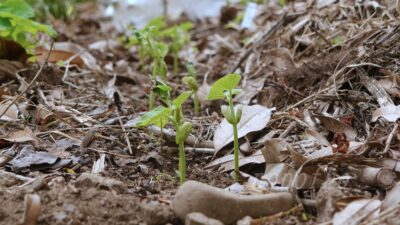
point(337, 126)
point(63, 51)
point(254, 118)
point(357, 211)
point(11, 114)
point(390, 112)
point(226, 163)
point(25, 135)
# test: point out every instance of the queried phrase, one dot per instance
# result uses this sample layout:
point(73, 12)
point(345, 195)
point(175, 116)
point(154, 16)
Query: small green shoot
point(172, 113)
point(157, 52)
point(191, 82)
point(225, 88)
point(178, 36)
point(16, 24)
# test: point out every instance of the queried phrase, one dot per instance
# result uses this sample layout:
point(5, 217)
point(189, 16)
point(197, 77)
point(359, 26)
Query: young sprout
point(171, 113)
point(178, 36)
point(157, 52)
point(191, 82)
point(225, 88)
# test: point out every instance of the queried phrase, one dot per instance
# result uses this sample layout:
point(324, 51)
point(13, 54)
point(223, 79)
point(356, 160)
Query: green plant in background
point(16, 24)
point(171, 113)
point(177, 37)
point(152, 31)
point(225, 88)
point(191, 82)
point(174, 37)
point(46, 9)
point(157, 51)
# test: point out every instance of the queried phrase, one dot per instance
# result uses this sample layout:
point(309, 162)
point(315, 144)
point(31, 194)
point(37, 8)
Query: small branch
point(31, 83)
point(125, 133)
point(389, 139)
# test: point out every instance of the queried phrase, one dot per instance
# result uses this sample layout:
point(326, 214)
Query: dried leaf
point(21, 136)
point(337, 126)
point(357, 211)
point(254, 118)
point(390, 112)
point(11, 114)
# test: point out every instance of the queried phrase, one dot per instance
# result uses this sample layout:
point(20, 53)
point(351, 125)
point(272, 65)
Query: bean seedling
point(191, 82)
point(225, 88)
point(178, 37)
point(172, 113)
point(16, 24)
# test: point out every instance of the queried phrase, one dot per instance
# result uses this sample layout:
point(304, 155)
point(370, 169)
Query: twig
point(31, 83)
point(389, 139)
point(125, 133)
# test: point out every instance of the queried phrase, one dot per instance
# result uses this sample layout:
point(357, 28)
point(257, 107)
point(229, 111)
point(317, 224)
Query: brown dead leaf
point(63, 51)
point(58, 55)
point(337, 126)
point(21, 136)
point(11, 114)
point(357, 211)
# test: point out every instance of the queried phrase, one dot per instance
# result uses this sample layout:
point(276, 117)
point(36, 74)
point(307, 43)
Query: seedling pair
point(225, 88)
point(171, 113)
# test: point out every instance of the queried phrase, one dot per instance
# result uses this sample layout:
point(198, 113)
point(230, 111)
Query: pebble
point(227, 207)
point(88, 180)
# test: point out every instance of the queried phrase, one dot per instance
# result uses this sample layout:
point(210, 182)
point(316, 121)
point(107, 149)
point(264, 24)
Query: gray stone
point(227, 207)
point(197, 218)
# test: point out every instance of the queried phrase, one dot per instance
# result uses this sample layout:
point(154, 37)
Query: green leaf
point(183, 132)
point(17, 8)
point(162, 90)
point(226, 83)
point(182, 98)
point(159, 116)
point(191, 82)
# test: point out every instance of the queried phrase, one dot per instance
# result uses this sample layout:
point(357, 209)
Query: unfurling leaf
point(226, 83)
point(183, 132)
point(158, 116)
point(191, 83)
point(181, 98)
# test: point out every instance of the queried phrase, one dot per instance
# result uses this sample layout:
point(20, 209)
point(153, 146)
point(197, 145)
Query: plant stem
point(176, 64)
point(235, 137)
point(236, 150)
point(151, 100)
point(196, 103)
point(182, 163)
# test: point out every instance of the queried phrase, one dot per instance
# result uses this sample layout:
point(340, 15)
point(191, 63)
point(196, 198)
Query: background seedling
point(224, 88)
point(172, 113)
point(191, 82)
point(16, 24)
point(178, 36)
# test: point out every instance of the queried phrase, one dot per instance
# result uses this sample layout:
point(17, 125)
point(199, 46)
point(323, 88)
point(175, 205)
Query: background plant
point(225, 88)
point(191, 82)
point(16, 24)
point(177, 36)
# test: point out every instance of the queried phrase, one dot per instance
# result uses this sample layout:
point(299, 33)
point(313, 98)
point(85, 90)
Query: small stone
point(196, 218)
point(245, 221)
point(88, 180)
point(225, 206)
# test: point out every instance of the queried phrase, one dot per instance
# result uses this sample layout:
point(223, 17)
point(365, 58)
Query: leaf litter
point(329, 68)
